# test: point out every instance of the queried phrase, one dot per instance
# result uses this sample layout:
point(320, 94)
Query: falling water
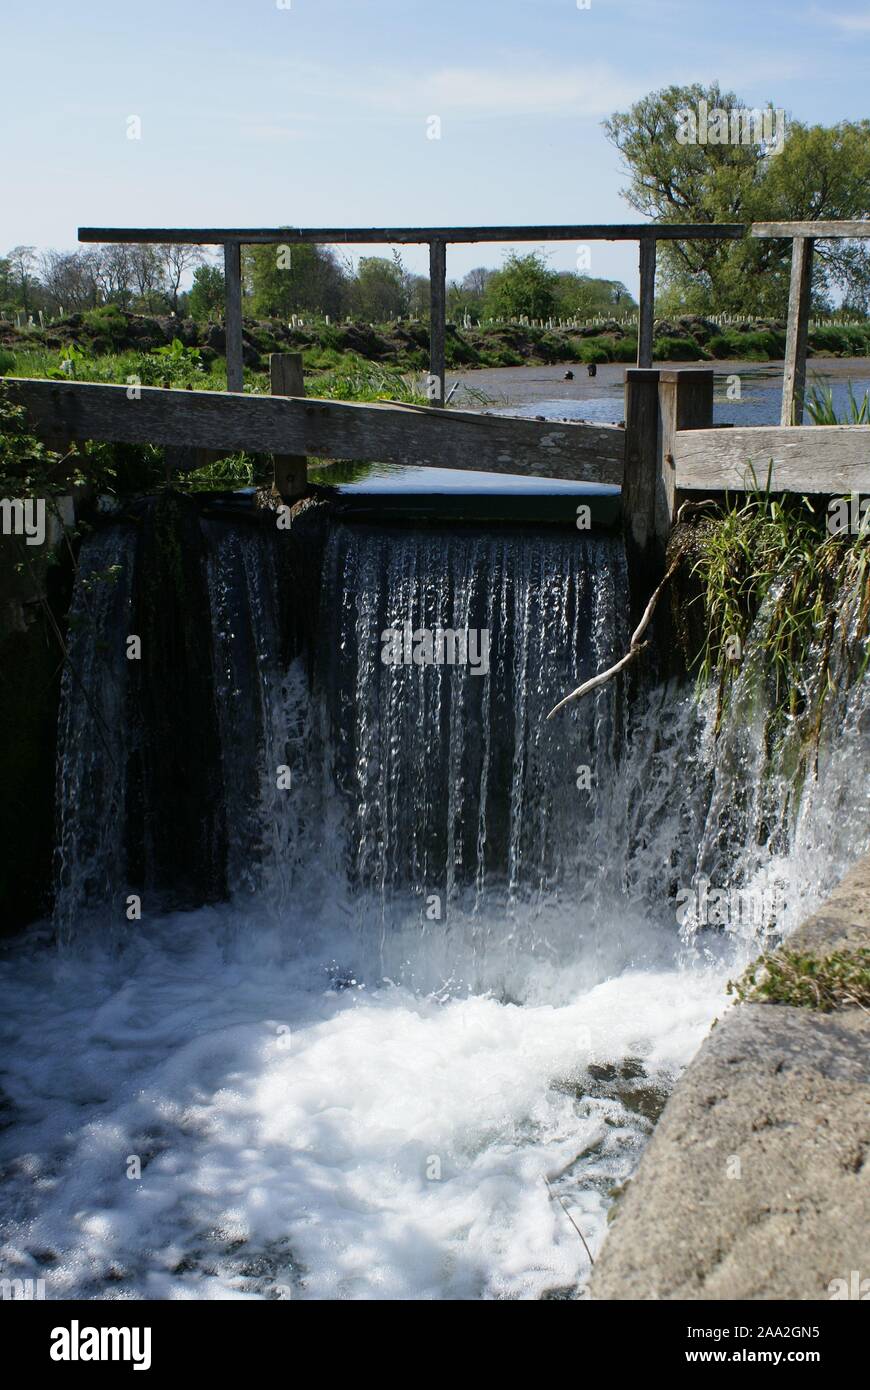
point(406, 948)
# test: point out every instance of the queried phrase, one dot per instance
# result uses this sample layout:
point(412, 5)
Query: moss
point(840, 980)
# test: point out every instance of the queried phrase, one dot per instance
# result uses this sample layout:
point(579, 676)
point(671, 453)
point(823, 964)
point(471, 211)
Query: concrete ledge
point(756, 1183)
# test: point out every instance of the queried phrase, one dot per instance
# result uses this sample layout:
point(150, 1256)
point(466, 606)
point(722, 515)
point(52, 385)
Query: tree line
point(280, 281)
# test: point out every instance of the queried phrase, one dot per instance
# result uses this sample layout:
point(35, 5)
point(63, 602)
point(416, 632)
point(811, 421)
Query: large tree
point(287, 280)
point(525, 286)
point(817, 172)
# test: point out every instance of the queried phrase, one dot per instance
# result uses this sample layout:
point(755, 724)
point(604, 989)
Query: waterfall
point(406, 948)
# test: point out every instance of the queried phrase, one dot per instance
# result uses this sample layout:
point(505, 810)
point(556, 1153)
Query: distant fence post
point(437, 319)
point(646, 312)
point(795, 369)
point(233, 315)
point(286, 378)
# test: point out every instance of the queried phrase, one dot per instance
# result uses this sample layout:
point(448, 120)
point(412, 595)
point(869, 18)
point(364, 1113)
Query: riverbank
point(755, 1182)
point(404, 345)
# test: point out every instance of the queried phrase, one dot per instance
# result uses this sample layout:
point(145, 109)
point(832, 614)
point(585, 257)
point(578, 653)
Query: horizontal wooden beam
point(833, 459)
point(812, 229)
point(219, 236)
point(327, 429)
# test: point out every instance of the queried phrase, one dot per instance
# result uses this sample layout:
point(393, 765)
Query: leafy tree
point(206, 298)
point(820, 172)
point(525, 286)
point(380, 291)
point(22, 274)
point(287, 280)
point(581, 295)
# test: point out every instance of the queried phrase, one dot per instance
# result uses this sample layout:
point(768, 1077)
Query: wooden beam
point(437, 320)
point(828, 459)
point(817, 230)
point(455, 439)
point(218, 236)
point(646, 314)
point(795, 369)
point(233, 315)
point(287, 378)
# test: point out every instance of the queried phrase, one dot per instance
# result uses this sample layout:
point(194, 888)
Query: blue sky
point(316, 114)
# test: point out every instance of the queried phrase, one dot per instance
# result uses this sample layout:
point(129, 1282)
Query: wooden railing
point(232, 239)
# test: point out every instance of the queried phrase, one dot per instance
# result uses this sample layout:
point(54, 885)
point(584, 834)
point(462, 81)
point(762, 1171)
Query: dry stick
point(561, 1202)
point(635, 647)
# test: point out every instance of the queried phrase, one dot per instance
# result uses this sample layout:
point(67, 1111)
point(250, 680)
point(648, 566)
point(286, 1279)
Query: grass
point(772, 560)
point(820, 407)
point(824, 983)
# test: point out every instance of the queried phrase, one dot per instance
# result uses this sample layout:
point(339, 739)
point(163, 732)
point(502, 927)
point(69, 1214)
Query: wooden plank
point(287, 378)
point(794, 377)
point(437, 320)
point(217, 236)
point(831, 459)
point(818, 230)
point(329, 429)
point(646, 315)
point(233, 315)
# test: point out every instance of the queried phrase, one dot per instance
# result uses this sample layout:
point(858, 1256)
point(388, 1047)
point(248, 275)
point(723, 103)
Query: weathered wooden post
point(287, 378)
point(646, 311)
point(795, 369)
point(437, 319)
point(233, 315)
point(658, 402)
point(685, 403)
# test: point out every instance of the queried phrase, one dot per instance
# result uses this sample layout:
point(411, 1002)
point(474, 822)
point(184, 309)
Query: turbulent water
point(438, 990)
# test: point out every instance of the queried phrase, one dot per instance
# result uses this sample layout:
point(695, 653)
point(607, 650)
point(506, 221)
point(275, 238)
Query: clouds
point(516, 89)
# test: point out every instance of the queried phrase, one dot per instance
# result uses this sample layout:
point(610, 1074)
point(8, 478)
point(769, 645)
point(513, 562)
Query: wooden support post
point(641, 458)
point(286, 378)
point(685, 403)
point(437, 320)
point(646, 312)
point(658, 402)
point(795, 372)
point(233, 314)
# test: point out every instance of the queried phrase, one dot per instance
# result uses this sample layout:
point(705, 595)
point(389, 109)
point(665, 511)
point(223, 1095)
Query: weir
point(363, 959)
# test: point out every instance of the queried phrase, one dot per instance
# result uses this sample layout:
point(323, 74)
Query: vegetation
point(818, 172)
point(836, 981)
point(772, 561)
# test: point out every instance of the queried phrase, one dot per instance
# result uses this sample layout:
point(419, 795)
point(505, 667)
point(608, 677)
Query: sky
point(318, 112)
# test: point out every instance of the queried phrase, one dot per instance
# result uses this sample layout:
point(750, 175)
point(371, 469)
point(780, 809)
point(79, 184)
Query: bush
point(592, 351)
point(677, 350)
point(7, 361)
point(106, 327)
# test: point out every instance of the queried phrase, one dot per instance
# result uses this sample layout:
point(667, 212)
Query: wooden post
point(286, 378)
point(646, 313)
point(233, 314)
point(795, 371)
point(641, 459)
point(658, 402)
point(437, 319)
point(685, 403)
